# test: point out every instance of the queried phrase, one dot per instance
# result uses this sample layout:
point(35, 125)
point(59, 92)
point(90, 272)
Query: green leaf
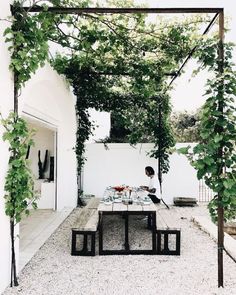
point(183, 150)
point(218, 138)
point(7, 31)
point(228, 183)
point(208, 160)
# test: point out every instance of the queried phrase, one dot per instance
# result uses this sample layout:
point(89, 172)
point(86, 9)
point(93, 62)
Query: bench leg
point(165, 234)
point(149, 224)
point(85, 251)
point(178, 237)
point(85, 243)
point(73, 243)
point(93, 243)
point(166, 243)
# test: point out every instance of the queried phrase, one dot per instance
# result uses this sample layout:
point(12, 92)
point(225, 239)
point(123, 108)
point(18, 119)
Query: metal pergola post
point(220, 11)
point(220, 153)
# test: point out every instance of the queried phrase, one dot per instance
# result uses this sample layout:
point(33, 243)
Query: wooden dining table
point(126, 211)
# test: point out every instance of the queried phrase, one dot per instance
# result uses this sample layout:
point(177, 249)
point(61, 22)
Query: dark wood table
point(126, 211)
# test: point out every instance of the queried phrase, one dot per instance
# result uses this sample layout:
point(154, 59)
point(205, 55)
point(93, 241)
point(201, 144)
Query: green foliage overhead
point(122, 63)
point(186, 126)
point(28, 38)
point(114, 62)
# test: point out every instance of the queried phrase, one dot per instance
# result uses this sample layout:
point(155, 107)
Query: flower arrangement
point(123, 188)
point(119, 188)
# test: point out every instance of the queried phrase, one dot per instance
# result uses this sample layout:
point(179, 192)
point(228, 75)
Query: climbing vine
point(28, 38)
point(29, 50)
point(215, 155)
point(18, 187)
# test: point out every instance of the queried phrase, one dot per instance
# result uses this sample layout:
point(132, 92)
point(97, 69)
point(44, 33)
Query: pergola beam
point(178, 73)
point(79, 10)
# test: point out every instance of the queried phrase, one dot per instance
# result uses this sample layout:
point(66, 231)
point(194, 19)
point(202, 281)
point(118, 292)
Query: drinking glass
point(106, 195)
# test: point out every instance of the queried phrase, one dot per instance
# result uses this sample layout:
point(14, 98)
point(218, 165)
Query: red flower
point(118, 188)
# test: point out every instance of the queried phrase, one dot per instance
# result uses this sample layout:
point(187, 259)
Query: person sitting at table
point(153, 186)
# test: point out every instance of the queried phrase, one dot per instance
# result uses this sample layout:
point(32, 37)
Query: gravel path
point(54, 271)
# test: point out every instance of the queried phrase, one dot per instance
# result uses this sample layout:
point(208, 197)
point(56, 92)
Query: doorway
point(43, 159)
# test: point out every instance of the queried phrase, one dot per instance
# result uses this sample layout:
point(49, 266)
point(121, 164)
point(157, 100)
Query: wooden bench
point(86, 226)
point(93, 203)
point(165, 231)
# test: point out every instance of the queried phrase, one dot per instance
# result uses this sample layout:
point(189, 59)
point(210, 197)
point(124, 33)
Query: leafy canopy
point(122, 63)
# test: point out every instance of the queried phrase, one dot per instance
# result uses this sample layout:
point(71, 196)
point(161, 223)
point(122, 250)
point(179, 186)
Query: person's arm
point(144, 187)
point(151, 190)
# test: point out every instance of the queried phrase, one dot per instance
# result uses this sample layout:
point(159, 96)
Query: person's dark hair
point(150, 170)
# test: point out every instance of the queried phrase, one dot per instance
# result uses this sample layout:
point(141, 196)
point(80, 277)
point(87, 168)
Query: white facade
point(47, 102)
point(124, 164)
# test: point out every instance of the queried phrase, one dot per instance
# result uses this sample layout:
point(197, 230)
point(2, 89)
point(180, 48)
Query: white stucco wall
point(123, 164)
point(47, 97)
point(181, 179)
point(102, 122)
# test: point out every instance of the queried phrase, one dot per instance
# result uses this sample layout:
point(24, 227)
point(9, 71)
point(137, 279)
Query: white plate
point(108, 203)
point(117, 201)
point(146, 202)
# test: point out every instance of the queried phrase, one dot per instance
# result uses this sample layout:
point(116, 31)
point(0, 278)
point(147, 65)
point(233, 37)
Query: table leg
point(154, 241)
point(126, 231)
point(149, 223)
point(100, 234)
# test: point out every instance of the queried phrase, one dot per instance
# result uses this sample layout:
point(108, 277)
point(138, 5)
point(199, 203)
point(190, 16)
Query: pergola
point(219, 12)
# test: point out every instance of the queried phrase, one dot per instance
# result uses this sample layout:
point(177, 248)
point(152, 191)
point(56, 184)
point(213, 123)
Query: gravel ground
point(54, 271)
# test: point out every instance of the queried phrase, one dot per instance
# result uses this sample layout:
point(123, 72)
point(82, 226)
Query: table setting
point(125, 194)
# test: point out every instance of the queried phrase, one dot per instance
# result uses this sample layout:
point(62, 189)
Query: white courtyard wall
point(123, 164)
